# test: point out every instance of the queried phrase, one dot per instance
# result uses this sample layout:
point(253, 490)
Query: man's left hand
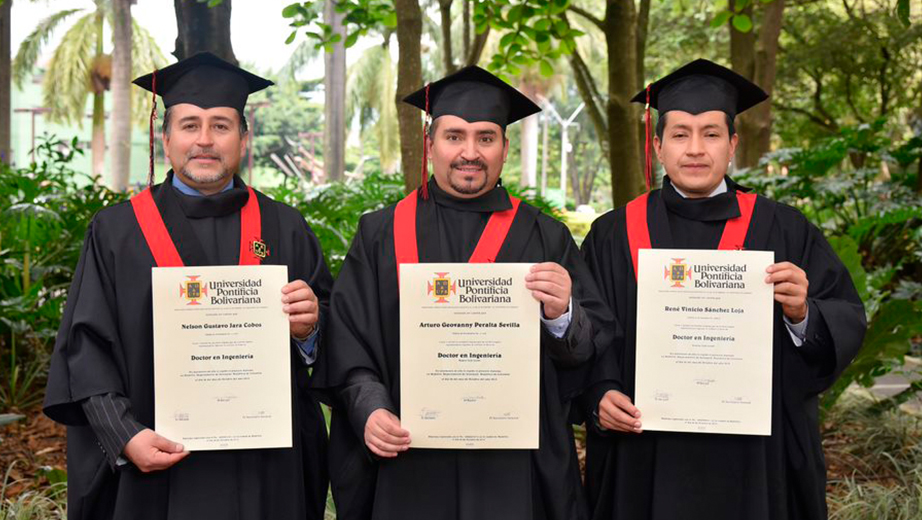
point(550, 284)
point(302, 307)
point(790, 289)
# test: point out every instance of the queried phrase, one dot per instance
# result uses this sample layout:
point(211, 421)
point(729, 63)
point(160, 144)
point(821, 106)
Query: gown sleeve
point(83, 362)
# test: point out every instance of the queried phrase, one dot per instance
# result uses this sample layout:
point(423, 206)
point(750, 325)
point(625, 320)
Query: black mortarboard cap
point(203, 80)
point(474, 94)
point(702, 86)
point(696, 87)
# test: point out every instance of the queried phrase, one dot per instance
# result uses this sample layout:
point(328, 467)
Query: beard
point(463, 186)
point(207, 176)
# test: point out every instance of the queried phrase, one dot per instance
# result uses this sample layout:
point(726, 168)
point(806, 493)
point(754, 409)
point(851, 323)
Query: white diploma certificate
point(222, 366)
point(704, 341)
point(469, 356)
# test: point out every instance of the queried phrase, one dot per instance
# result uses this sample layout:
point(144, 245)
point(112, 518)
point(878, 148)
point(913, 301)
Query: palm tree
point(371, 84)
point(371, 88)
point(79, 66)
point(121, 94)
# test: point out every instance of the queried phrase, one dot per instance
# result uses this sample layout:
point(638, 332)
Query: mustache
point(206, 152)
point(462, 163)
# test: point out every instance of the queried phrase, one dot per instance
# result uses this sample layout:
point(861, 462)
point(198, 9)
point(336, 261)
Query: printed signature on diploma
point(659, 395)
point(428, 414)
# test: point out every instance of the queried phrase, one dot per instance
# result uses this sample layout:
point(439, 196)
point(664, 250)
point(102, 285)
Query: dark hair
point(433, 126)
point(661, 125)
point(168, 113)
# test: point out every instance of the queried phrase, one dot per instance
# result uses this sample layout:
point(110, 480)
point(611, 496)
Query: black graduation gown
point(105, 345)
point(660, 475)
point(363, 365)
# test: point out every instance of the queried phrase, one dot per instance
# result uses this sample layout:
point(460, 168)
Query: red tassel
point(648, 145)
point(425, 169)
point(153, 117)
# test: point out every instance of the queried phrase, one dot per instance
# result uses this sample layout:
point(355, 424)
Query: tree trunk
point(643, 23)
point(528, 140)
point(409, 79)
point(624, 148)
point(202, 28)
point(476, 49)
point(121, 95)
point(743, 47)
point(466, 28)
point(755, 57)
point(98, 145)
point(6, 83)
point(529, 151)
point(919, 177)
point(573, 170)
point(334, 94)
point(448, 61)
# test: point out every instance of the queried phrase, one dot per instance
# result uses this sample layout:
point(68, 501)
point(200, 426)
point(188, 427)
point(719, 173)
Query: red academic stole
point(733, 237)
point(487, 247)
point(252, 249)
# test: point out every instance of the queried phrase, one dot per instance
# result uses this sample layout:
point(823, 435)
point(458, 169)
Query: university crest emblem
point(678, 272)
point(441, 287)
point(193, 290)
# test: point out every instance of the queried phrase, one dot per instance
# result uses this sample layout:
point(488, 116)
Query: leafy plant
point(44, 211)
point(857, 186)
point(49, 503)
point(875, 459)
point(361, 16)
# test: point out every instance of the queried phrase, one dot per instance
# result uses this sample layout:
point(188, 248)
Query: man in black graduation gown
point(101, 377)
point(375, 471)
point(819, 323)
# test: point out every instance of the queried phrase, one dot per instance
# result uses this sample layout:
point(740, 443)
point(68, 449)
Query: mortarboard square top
point(203, 80)
point(474, 94)
point(702, 86)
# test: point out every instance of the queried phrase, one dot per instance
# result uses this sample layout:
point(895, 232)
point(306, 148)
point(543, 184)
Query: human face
point(204, 145)
point(467, 158)
point(696, 150)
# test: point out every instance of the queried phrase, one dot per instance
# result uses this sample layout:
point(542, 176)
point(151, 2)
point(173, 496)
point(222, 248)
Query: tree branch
point(643, 22)
point(884, 84)
point(848, 9)
point(598, 22)
point(831, 126)
point(818, 102)
point(448, 61)
point(480, 41)
point(466, 31)
point(589, 92)
point(850, 101)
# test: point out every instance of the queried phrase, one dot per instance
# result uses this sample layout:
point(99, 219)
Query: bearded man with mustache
point(101, 381)
point(375, 470)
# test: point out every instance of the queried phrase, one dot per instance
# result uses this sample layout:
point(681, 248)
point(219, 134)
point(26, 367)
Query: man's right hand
point(150, 452)
point(383, 434)
point(616, 412)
